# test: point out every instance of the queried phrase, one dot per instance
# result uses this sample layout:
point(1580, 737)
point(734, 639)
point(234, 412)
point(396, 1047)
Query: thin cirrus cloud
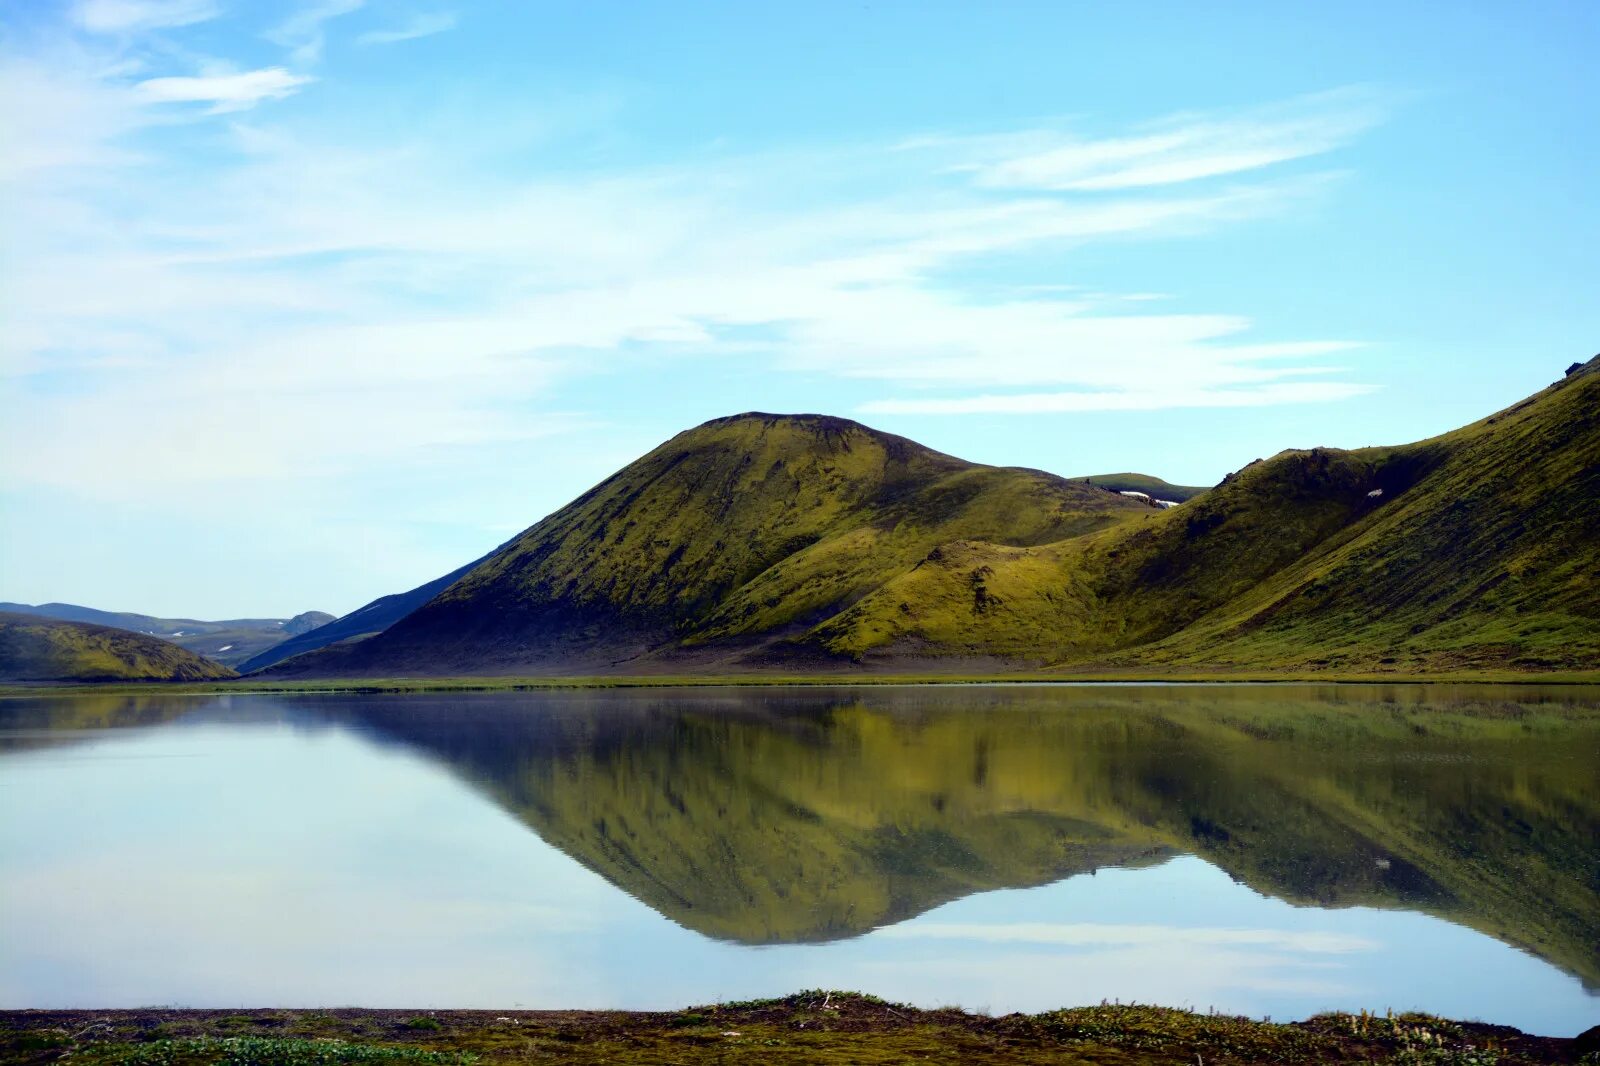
point(302, 32)
point(131, 16)
point(420, 26)
point(1268, 395)
point(1191, 148)
point(225, 92)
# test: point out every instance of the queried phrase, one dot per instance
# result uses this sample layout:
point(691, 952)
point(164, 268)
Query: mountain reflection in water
point(765, 816)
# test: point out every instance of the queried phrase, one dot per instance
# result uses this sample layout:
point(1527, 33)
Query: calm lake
point(1265, 850)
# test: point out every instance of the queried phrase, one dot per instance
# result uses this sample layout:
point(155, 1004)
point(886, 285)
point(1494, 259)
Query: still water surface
point(1260, 850)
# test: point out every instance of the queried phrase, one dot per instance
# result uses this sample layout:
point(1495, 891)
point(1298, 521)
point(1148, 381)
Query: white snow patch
point(225, 647)
point(1135, 495)
point(1374, 494)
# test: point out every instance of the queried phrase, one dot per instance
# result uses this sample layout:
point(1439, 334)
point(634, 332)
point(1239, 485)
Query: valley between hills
point(788, 546)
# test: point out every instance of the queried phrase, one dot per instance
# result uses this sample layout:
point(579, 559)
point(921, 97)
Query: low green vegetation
point(33, 648)
point(814, 1027)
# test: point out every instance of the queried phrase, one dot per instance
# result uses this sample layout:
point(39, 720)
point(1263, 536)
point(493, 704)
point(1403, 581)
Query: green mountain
point(229, 642)
point(727, 544)
point(46, 649)
point(811, 543)
point(1152, 487)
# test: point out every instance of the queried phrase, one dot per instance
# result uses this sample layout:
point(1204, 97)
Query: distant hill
point(229, 642)
point(46, 649)
point(1153, 487)
point(730, 541)
point(360, 623)
point(810, 543)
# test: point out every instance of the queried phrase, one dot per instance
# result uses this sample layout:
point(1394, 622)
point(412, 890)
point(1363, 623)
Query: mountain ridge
point(815, 543)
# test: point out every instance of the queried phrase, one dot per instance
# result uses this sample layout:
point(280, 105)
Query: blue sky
point(307, 304)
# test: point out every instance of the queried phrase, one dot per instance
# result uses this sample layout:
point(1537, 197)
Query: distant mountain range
point(229, 642)
point(810, 543)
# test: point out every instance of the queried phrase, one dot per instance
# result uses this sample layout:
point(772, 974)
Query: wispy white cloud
point(423, 25)
point(131, 16)
point(226, 92)
point(302, 32)
point(1271, 394)
point(1191, 147)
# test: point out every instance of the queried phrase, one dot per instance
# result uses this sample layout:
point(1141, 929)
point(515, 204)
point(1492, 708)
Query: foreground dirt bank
point(808, 1027)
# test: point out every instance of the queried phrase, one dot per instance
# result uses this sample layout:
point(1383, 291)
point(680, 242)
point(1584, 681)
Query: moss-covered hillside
point(1479, 549)
point(725, 538)
point(44, 649)
point(807, 543)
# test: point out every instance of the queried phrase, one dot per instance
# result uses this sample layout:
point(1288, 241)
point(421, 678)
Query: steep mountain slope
point(229, 642)
point(717, 543)
point(360, 623)
point(46, 649)
point(1476, 549)
point(1153, 487)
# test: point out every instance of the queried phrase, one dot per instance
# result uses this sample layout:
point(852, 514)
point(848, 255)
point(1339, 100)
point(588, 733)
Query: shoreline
point(247, 686)
point(814, 1026)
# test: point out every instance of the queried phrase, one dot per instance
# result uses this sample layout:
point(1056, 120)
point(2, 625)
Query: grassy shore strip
point(528, 684)
point(808, 1027)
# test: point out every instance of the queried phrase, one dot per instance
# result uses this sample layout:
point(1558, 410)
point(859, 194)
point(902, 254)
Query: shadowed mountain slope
point(359, 624)
point(47, 649)
point(230, 641)
point(725, 539)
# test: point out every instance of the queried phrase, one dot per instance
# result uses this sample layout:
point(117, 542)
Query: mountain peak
point(744, 529)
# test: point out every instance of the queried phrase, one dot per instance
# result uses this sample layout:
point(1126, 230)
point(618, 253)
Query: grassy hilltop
point(1153, 487)
point(34, 649)
point(741, 534)
point(806, 544)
